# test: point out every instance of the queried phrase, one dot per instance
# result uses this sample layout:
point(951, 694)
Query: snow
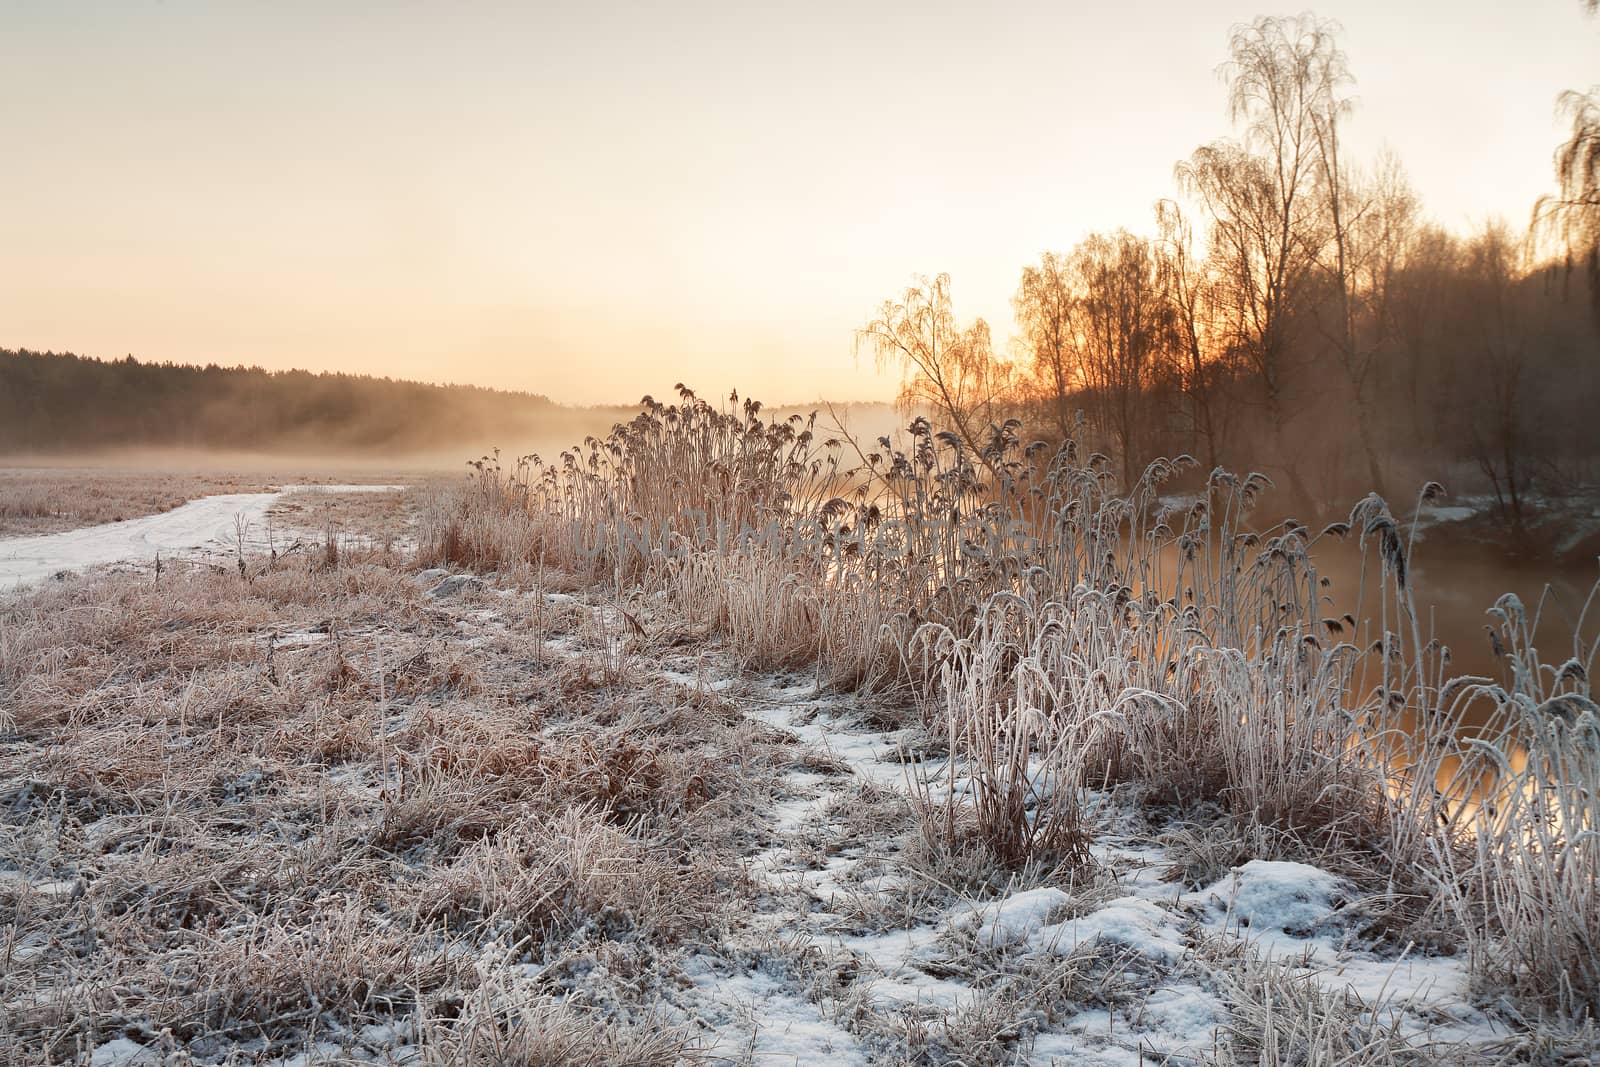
point(1182, 1014)
point(321, 1052)
point(456, 585)
point(123, 1052)
point(1176, 1023)
point(1276, 896)
point(1020, 914)
point(1070, 1050)
point(893, 949)
point(1131, 922)
point(778, 1028)
point(67, 888)
point(870, 755)
point(1288, 912)
point(698, 683)
point(791, 814)
point(1450, 513)
point(202, 527)
point(913, 989)
point(299, 639)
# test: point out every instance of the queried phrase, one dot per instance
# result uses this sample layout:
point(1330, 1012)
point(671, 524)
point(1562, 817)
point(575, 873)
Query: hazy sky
point(595, 200)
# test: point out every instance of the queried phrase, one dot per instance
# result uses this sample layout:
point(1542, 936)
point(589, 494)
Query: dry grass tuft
point(1280, 1017)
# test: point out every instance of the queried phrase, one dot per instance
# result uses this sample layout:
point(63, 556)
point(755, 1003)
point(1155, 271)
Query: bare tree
point(1122, 331)
point(1188, 285)
point(1419, 313)
point(1263, 260)
point(1098, 328)
point(1043, 308)
point(1285, 77)
point(1372, 221)
point(1572, 216)
point(1496, 344)
point(944, 366)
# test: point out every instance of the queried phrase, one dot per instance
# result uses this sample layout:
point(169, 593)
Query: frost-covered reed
point(1062, 633)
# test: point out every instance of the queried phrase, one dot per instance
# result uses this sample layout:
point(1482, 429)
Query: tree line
point(62, 403)
point(54, 403)
point(1293, 310)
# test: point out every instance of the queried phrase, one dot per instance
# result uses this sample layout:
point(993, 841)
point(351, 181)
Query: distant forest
point(52, 403)
point(61, 403)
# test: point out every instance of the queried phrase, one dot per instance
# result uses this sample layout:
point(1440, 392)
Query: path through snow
point(203, 527)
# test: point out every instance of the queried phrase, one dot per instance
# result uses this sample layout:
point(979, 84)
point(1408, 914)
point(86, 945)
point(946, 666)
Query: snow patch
point(1273, 896)
point(1018, 916)
point(122, 1052)
point(782, 1029)
point(1132, 922)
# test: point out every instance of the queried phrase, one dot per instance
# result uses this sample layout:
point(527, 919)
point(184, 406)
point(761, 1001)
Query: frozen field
point(492, 790)
point(507, 799)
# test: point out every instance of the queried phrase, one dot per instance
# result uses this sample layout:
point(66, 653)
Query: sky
point(595, 201)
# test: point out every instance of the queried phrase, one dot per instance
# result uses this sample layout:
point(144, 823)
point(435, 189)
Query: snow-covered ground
point(1164, 955)
point(842, 955)
point(1174, 940)
point(206, 527)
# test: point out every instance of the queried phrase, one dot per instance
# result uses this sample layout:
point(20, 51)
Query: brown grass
point(248, 809)
point(365, 517)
